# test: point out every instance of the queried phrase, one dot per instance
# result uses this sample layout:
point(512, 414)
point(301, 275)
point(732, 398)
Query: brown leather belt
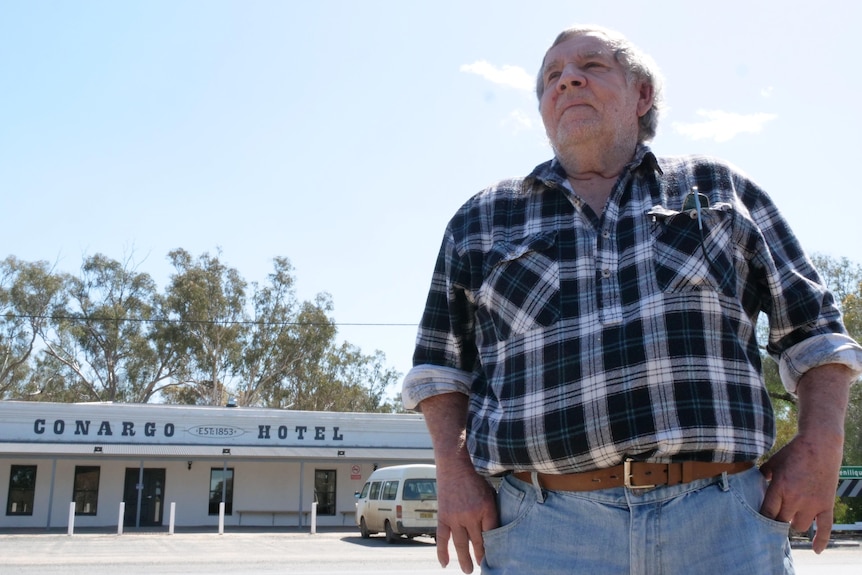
point(634, 475)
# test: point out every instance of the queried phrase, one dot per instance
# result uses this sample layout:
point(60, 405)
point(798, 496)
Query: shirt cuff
point(816, 351)
point(424, 381)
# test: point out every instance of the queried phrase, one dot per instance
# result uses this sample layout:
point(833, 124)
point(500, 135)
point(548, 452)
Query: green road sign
point(854, 472)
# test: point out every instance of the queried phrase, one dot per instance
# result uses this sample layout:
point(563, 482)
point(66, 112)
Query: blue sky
point(344, 134)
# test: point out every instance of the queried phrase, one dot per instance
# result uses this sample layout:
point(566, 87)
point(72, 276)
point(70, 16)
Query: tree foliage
point(844, 279)
point(108, 334)
point(101, 339)
point(30, 293)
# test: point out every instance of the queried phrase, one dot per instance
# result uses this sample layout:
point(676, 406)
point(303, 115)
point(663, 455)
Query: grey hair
point(637, 64)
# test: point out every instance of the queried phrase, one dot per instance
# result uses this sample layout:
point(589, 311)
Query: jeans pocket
point(749, 489)
point(513, 504)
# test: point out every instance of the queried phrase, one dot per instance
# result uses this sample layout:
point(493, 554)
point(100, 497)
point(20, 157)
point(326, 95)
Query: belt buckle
point(627, 476)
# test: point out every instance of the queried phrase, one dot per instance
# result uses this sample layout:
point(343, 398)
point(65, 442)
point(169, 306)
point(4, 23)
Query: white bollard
point(221, 518)
point(71, 518)
point(121, 519)
point(173, 514)
point(314, 517)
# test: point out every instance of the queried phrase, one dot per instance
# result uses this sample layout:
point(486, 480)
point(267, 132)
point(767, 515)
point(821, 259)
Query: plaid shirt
point(582, 340)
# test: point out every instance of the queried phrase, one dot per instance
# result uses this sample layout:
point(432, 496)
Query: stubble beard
point(588, 146)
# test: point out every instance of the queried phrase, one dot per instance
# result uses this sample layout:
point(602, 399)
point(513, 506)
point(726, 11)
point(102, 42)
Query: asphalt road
point(298, 553)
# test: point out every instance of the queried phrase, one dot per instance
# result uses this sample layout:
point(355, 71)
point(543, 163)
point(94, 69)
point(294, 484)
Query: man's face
point(587, 97)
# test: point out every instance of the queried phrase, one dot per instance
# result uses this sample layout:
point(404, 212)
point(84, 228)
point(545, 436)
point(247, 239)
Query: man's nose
point(571, 77)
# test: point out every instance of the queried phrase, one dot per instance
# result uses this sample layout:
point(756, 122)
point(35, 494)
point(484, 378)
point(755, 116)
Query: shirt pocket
point(689, 258)
point(521, 285)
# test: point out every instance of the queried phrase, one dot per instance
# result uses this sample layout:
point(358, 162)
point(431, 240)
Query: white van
point(399, 500)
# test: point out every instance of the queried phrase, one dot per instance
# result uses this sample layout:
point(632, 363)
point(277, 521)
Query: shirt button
point(606, 234)
point(606, 273)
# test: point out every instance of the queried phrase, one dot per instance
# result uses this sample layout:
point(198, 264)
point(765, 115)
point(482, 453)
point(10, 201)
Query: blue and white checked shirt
point(583, 339)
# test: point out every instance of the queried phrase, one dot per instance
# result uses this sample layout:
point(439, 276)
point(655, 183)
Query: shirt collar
point(552, 174)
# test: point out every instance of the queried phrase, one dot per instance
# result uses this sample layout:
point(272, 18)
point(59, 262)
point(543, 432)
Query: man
point(589, 337)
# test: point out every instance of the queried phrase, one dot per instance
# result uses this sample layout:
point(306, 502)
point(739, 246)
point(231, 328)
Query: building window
point(218, 479)
point(324, 491)
point(22, 490)
point(86, 493)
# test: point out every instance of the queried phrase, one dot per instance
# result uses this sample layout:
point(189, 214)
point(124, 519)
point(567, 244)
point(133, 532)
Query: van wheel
point(363, 529)
point(391, 536)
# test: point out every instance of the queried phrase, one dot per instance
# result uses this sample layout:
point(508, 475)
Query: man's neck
point(594, 190)
point(593, 175)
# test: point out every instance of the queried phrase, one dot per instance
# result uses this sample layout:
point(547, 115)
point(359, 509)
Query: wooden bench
point(271, 512)
point(289, 512)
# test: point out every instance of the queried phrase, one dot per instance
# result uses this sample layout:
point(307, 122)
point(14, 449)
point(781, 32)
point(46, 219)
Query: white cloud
point(518, 121)
point(767, 92)
point(722, 126)
point(511, 76)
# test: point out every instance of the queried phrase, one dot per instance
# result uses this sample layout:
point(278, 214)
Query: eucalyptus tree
point(103, 340)
point(264, 346)
point(354, 381)
point(29, 295)
point(107, 334)
point(283, 335)
point(205, 302)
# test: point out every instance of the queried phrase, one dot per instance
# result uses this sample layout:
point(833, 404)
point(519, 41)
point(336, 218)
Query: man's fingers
point(824, 531)
point(461, 540)
point(766, 469)
point(443, 544)
point(478, 544)
point(771, 506)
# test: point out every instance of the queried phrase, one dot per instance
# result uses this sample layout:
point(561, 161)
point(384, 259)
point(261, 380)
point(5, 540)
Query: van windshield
point(420, 489)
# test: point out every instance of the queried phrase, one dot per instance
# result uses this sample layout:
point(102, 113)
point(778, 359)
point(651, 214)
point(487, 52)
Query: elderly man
point(589, 337)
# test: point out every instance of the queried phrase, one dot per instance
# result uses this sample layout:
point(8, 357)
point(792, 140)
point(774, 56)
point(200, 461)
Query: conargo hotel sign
point(130, 429)
point(99, 424)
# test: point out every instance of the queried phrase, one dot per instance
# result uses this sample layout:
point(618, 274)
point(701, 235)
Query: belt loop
point(725, 484)
point(534, 478)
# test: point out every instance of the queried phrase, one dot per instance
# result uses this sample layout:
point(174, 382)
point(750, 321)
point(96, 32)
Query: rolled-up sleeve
point(424, 381)
point(816, 351)
point(805, 324)
point(445, 355)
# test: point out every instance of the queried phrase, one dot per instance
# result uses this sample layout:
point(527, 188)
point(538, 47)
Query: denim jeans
point(706, 527)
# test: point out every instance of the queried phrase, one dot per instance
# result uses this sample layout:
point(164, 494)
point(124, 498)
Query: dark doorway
point(152, 497)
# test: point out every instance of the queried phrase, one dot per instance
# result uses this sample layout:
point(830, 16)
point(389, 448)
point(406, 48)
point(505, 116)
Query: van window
point(364, 491)
point(420, 489)
point(375, 490)
point(390, 489)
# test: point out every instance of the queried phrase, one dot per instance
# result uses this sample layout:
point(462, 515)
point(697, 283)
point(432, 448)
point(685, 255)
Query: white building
point(275, 463)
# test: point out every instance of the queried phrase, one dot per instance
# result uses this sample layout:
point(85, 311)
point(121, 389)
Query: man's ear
point(645, 98)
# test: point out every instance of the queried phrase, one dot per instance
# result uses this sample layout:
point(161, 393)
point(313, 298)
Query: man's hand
point(466, 508)
point(466, 504)
point(803, 475)
point(803, 478)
